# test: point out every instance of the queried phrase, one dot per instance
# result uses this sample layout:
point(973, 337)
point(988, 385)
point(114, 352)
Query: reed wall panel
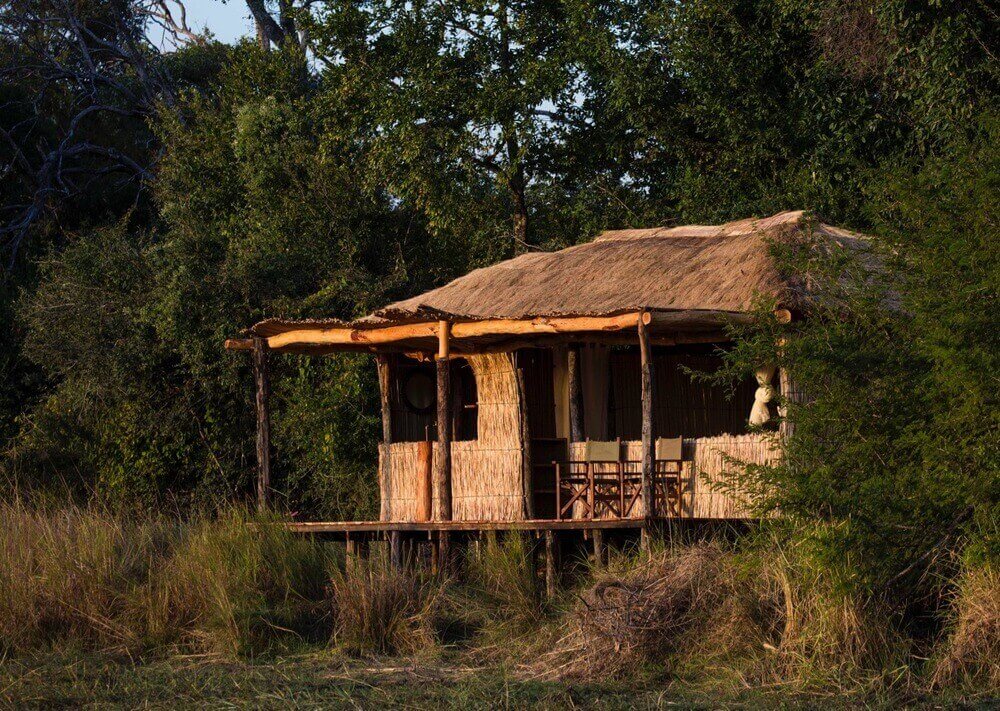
point(404, 471)
point(486, 472)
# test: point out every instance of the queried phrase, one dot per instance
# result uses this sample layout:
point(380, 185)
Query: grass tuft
point(381, 610)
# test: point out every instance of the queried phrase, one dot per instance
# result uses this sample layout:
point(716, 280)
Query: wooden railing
point(611, 489)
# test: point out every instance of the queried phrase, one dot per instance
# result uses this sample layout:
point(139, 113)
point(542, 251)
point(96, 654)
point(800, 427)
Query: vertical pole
point(396, 550)
point(385, 473)
point(591, 498)
point(444, 552)
point(575, 395)
point(425, 477)
point(598, 536)
point(262, 378)
point(441, 485)
point(648, 436)
point(550, 564)
point(558, 490)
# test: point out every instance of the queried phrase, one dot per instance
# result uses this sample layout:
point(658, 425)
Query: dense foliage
point(896, 449)
point(412, 141)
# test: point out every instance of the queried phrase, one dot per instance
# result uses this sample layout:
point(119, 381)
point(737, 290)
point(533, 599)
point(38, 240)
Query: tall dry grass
point(709, 613)
point(970, 654)
point(236, 585)
point(380, 610)
point(85, 577)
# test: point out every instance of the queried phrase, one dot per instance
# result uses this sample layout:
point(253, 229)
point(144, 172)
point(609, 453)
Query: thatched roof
point(698, 273)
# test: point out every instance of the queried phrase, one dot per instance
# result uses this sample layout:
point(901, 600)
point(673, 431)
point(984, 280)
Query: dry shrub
point(753, 616)
point(381, 610)
point(971, 654)
point(640, 612)
point(646, 611)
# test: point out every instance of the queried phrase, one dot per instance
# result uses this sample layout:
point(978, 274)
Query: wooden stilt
point(262, 378)
point(550, 564)
point(444, 553)
point(396, 550)
point(385, 385)
point(598, 548)
point(350, 546)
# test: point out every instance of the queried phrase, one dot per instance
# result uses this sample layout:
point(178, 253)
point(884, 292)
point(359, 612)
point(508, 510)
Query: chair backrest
point(601, 451)
point(670, 448)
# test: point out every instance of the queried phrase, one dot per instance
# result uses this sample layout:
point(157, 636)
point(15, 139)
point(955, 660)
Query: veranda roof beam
point(346, 336)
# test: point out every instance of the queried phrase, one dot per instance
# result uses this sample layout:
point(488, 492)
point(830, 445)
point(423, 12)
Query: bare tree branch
point(94, 66)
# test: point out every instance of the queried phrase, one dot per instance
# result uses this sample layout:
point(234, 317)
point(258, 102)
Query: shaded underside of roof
point(700, 273)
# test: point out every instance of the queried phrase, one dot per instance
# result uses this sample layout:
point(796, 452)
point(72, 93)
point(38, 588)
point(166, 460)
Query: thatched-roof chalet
point(554, 388)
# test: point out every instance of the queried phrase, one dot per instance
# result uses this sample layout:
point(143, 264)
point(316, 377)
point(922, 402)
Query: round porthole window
point(419, 392)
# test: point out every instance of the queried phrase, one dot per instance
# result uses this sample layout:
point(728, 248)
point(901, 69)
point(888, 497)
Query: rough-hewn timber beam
point(601, 327)
point(459, 330)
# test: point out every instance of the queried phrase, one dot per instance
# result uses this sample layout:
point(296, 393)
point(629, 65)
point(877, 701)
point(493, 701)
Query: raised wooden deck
point(337, 528)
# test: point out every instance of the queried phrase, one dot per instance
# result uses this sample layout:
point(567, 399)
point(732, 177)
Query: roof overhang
point(490, 335)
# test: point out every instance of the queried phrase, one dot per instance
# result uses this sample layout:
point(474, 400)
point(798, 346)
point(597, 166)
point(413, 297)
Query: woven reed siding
point(704, 499)
point(706, 465)
point(486, 473)
point(404, 467)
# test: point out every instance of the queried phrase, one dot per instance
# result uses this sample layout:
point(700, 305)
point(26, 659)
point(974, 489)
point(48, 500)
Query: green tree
point(894, 461)
point(260, 213)
point(468, 104)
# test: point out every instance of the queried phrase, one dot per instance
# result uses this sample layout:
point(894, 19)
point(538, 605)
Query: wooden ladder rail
point(591, 497)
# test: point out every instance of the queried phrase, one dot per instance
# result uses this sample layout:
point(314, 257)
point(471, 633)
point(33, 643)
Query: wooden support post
point(527, 473)
point(576, 433)
point(444, 553)
point(648, 432)
point(534, 558)
point(385, 478)
point(262, 378)
point(350, 546)
point(550, 564)
point(425, 478)
point(442, 456)
point(396, 549)
point(598, 537)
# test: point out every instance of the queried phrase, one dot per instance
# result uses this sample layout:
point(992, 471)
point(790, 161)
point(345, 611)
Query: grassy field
point(115, 611)
point(325, 679)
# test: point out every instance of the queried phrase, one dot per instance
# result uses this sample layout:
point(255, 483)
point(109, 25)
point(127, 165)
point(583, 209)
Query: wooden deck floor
point(369, 527)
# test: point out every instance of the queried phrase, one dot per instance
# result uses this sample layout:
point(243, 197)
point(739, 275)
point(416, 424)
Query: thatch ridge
point(701, 270)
